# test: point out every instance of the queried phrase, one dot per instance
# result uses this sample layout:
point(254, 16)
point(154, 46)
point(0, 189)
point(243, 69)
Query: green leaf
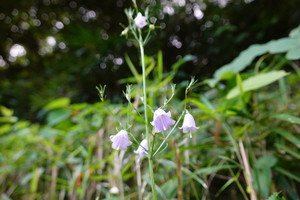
point(256, 82)
point(159, 65)
point(288, 136)
point(12, 119)
point(262, 181)
point(275, 197)
point(284, 44)
point(212, 169)
point(127, 166)
point(288, 150)
point(193, 176)
point(58, 103)
point(5, 128)
point(225, 185)
point(79, 106)
point(293, 54)
point(288, 174)
point(36, 173)
point(203, 107)
point(183, 60)
point(132, 68)
point(57, 116)
point(168, 189)
point(289, 118)
point(268, 160)
point(239, 63)
point(295, 32)
point(262, 170)
point(6, 112)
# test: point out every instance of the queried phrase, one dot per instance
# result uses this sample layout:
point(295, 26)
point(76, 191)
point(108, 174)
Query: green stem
point(148, 135)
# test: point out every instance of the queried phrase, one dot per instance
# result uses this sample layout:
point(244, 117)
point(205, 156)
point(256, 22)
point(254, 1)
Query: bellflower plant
point(142, 149)
point(120, 141)
point(161, 120)
point(189, 124)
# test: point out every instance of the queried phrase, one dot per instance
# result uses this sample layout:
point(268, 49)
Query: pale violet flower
point(189, 124)
point(162, 120)
point(120, 141)
point(141, 151)
point(140, 20)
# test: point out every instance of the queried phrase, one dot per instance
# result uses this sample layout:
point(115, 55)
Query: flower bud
point(125, 31)
point(151, 27)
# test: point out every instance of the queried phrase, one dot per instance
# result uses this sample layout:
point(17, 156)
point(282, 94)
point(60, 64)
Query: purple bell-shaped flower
point(189, 124)
point(162, 120)
point(120, 141)
point(141, 151)
point(140, 20)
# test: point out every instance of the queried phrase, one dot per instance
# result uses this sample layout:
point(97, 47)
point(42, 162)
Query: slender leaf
point(288, 136)
point(289, 118)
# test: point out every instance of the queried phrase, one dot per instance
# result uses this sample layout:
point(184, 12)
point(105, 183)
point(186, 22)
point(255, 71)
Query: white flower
point(114, 190)
point(120, 141)
point(189, 124)
point(162, 120)
point(140, 20)
point(141, 151)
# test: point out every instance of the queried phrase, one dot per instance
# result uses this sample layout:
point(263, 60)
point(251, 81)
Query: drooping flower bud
point(189, 124)
point(140, 20)
point(162, 120)
point(120, 141)
point(141, 151)
point(125, 31)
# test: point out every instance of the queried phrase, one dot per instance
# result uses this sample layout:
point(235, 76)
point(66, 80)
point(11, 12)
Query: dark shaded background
point(89, 50)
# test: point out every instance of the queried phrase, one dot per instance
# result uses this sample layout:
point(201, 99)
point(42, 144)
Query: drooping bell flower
point(189, 124)
point(120, 141)
point(141, 151)
point(140, 20)
point(162, 120)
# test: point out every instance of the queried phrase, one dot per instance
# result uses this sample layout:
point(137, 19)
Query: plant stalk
point(148, 135)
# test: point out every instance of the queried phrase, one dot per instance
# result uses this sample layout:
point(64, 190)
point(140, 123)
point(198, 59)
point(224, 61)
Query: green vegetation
point(56, 146)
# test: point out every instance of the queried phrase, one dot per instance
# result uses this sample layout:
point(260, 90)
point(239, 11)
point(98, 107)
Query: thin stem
point(247, 171)
point(256, 68)
point(153, 143)
point(146, 121)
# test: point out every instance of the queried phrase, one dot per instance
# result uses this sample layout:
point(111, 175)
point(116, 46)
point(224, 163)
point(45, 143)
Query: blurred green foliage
point(88, 50)
point(54, 138)
point(69, 156)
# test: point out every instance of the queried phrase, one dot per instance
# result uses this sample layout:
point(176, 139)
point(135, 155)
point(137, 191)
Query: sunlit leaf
point(293, 54)
point(6, 112)
point(57, 116)
point(284, 44)
point(58, 103)
point(256, 82)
